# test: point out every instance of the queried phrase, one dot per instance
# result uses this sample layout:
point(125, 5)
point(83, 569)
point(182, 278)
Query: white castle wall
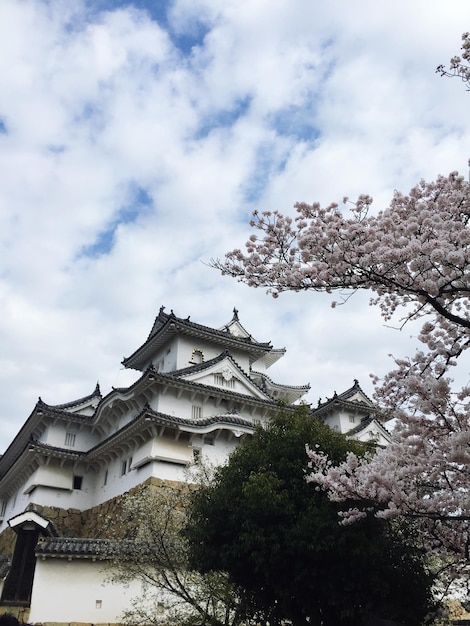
point(77, 588)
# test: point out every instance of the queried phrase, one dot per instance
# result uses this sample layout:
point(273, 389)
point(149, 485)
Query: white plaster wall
point(179, 407)
point(334, 422)
point(68, 591)
point(84, 438)
point(163, 449)
point(16, 505)
point(50, 476)
point(185, 349)
point(219, 453)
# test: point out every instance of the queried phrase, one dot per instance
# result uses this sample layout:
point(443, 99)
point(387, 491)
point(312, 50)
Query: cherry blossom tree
point(414, 256)
point(148, 547)
point(459, 65)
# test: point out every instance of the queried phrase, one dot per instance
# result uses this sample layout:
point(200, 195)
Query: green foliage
point(281, 543)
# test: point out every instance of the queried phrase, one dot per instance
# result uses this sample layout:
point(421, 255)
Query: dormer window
point(197, 356)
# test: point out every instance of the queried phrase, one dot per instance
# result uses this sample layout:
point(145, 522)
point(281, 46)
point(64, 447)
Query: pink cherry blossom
point(459, 65)
point(414, 256)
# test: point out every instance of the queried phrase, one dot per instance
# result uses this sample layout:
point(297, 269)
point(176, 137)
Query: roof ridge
point(95, 394)
point(165, 317)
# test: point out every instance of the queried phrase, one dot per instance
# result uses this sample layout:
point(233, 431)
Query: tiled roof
point(200, 367)
point(265, 378)
point(351, 391)
point(162, 318)
point(170, 324)
point(74, 403)
point(58, 411)
point(359, 427)
point(73, 548)
point(175, 377)
point(364, 423)
point(39, 446)
point(226, 418)
point(345, 400)
point(147, 413)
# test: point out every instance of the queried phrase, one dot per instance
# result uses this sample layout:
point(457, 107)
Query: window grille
point(70, 439)
point(220, 381)
point(196, 412)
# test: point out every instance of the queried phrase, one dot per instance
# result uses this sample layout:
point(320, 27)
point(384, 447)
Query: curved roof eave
point(363, 425)
point(176, 380)
point(148, 415)
point(170, 325)
point(273, 385)
point(86, 400)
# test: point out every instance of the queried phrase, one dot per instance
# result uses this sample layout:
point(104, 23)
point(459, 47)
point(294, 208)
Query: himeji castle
point(198, 393)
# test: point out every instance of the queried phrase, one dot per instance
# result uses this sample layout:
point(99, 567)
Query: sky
point(136, 139)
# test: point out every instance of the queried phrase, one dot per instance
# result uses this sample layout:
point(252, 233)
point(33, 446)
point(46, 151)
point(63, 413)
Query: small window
point(196, 412)
point(77, 482)
point(3, 508)
point(352, 419)
point(126, 466)
point(196, 455)
point(70, 439)
point(105, 479)
point(197, 356)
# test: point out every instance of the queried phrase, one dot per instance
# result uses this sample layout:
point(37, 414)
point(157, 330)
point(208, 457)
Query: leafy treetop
point(280, 542)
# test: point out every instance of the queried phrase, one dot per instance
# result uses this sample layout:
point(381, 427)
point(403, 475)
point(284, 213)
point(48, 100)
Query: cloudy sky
point(136, 138)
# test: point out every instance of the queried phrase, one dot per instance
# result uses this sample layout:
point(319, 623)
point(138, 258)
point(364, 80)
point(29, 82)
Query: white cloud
point(128, 160)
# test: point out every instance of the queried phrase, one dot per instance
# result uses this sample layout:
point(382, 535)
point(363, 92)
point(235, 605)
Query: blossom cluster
point(414, 256)
point(459, 65)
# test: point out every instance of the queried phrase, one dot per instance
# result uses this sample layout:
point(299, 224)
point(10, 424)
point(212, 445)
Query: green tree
point(282, 545)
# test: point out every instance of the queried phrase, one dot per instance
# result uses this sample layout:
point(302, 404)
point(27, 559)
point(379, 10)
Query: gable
point(360, 396)
point(226, 375)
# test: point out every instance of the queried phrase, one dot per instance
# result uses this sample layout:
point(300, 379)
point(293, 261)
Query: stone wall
point(99, 522)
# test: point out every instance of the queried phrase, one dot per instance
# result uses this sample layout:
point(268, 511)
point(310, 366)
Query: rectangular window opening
point(196, 412)
point(70, 439)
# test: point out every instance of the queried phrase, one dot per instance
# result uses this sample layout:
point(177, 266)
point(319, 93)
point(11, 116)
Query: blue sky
point(136, 138)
